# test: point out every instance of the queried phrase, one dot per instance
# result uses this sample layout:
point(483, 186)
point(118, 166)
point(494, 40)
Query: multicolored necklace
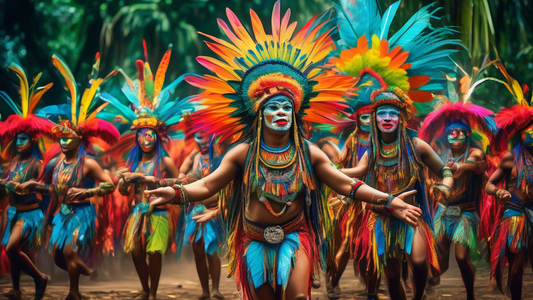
point(21, 171)
point(277, 158)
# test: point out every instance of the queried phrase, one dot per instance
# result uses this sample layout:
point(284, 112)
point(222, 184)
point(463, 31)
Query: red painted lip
point(281, 122)
point(387, 126)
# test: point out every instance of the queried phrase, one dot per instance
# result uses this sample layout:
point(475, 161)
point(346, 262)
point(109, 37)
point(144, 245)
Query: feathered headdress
point(478, 120)
point(511, 121)
point(254, 70)
point(24, 119)
point(80, 121)
point(412, 59)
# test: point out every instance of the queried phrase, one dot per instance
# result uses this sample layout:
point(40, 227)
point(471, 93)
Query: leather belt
point(272, 234)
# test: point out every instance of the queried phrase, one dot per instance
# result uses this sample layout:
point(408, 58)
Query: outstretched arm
point(358, 171)
point(208, 186)
point(504, 169)
point(433, 162)
point(345, 185)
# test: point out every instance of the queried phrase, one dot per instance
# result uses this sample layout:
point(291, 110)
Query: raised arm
point(504, 169)
point(358, 171)
point(348, 187)
point(475, 162)
point(209, 185)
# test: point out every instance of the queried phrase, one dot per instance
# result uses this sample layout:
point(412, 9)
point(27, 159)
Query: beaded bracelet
point(446, 172)
point(181, 197)
point(388, 203)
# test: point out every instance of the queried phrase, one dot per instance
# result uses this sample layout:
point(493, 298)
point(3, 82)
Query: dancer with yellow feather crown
point(70, 177)
point(154, 118)
point(22, 133)
point(271, 180)
point(393, 75)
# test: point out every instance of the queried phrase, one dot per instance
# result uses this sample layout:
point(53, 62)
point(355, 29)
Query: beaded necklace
point(277, 158)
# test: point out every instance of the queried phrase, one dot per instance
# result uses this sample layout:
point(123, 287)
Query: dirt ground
point(115, 279)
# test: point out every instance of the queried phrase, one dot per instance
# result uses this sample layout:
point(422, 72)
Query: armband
point(181, 197)
point(356, 186)
point(446, 172)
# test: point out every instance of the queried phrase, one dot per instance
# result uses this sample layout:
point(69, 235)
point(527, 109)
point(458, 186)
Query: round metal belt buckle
point(274, 234)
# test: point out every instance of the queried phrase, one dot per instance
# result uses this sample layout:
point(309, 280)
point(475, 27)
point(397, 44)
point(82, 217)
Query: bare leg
point(444, 261)
point(75, 267)
point(298, 286)
point(342, 259)
point(393, 274)
point(155, 263)
point(264, 292)
point(516, 272)
point(370, 276)
point(417, 260)
point(462, 254)
point(201, 267)
point(59, 258)
point(138, 254)
point(215, 270)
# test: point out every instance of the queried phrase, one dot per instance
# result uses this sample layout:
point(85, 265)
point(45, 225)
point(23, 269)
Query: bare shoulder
point(476, 154)
point(421, 146)
point(238, 153)
point(317, 155)
point(507, 161)
point(91, 162)
point(167, 160)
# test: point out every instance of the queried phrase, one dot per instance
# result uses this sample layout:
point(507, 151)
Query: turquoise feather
point(10, 102)
point(126, 111)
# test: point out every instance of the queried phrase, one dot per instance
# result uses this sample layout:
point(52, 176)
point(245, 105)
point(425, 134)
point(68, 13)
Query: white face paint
point(364, 122)
point(387, 118)
point(278, 114)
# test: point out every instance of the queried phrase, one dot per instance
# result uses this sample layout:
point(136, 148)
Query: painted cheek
point(269, 118)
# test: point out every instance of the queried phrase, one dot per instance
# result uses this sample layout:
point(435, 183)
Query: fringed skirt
point(212, 232)
point(74, 226)
point(32, 227)
point(272, 264)
point(513, 234)
point(383, 237)
point(461, 228)
point(153, 229)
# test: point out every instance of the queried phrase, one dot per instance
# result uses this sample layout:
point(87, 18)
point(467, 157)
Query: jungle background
point(31, 31)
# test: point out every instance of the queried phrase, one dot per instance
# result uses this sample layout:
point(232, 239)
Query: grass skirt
point(153, 229)
point(462, 229)
point(31, 229)
point(76, 229)
point(212, 232)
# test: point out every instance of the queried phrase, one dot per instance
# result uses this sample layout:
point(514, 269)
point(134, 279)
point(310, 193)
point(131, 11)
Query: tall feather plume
point(71, 85)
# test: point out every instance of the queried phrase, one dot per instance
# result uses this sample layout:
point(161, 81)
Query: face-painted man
point(278, 114)
point(146, 138)
point(388, 118)
point(23, 142)
point(202, 140)
point(457, 134)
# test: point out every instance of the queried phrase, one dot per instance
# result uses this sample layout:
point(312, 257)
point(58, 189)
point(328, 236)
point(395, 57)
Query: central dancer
point(271, 180)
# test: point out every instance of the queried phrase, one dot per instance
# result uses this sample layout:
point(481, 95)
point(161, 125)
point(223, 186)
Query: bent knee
point(12, 250)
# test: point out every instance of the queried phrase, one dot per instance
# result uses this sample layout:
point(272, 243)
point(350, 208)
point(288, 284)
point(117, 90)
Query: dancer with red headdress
point(271, 181)
point(70, 177)
point(511, 240)
point(22, 133)
point(460, 133)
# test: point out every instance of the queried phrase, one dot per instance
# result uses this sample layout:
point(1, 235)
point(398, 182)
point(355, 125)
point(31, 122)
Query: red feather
point(96, 128)
point(511, 121)
point(32, 125)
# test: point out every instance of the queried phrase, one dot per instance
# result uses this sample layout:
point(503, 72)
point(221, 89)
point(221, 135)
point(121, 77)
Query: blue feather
point(10, 102)
point(386, 20)
point(126, 111)
point(168, 90)
point(130, 95)
point(412, 29)
point(380, 237)
point(255, 261)
point(286, 258)
point(409, 239)
point(53, 111)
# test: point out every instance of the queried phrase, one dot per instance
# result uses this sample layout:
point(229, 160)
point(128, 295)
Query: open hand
point(403, 211)
point(160, 196)
point(206, 216)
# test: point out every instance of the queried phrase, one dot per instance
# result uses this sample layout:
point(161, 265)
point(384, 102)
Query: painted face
point(387, 118)
point(146, 138)
point(23, 142)
point(202, 140)
point(278, 114)
point(364, 122)
point(527, 136)
point(457, 136)
point(68, 143)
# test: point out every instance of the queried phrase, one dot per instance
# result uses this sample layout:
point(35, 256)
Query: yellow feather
point(24, 89)
point(87, 98)
point(71, 85)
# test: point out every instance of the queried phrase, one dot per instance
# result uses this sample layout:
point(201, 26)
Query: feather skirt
point(32, 227)
point(76, 229)
point(462, 229)
point(211, 232)
point(513, 234)
point(153, 229)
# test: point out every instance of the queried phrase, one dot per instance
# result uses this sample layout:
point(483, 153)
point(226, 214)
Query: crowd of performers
point(252, 167)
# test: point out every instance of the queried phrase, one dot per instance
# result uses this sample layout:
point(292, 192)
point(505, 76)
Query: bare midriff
point(259, 214)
